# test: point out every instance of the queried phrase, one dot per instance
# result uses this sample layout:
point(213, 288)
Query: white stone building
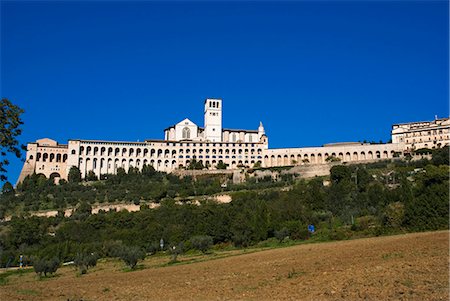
point(424, 134)
point(211, 144)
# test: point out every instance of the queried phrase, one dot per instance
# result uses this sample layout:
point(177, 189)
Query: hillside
point(401, 267)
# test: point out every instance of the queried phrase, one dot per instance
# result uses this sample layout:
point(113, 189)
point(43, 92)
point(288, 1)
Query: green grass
point(5, 275)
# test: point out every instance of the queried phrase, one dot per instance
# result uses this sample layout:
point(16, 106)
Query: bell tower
point(213, 120)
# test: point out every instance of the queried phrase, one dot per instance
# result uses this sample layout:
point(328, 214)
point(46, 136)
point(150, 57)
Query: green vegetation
point(10, 123)
point(360, 201)
point(45, 266)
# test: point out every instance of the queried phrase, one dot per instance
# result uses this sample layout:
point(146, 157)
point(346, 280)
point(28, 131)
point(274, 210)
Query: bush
point(131, 255)
point(84, 261)
point(201, 242)
point(281, 234)
point(297, 230)
point(44, 266)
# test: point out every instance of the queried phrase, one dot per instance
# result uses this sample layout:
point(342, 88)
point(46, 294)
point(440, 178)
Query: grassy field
point(402, 267)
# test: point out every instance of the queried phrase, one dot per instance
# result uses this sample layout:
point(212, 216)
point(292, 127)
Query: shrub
point(44, 266)
point(201, 242)
point(84, 261)
point(131, 255)
point(297, 230)
point(281, 234)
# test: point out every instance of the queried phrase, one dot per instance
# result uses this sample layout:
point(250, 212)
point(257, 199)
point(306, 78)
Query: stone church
point(212, 144)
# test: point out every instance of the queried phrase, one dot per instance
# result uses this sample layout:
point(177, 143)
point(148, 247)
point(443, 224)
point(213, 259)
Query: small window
point(73, 152)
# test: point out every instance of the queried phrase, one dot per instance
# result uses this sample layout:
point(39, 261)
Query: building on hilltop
point(212, 144)
point(424, 134)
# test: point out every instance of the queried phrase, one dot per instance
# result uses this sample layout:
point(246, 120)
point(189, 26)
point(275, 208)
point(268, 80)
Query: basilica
point(211, 144)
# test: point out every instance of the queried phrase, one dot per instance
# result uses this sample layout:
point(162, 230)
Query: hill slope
point(412, 266)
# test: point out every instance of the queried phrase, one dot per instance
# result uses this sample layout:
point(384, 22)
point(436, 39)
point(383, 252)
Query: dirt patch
point(402, 267)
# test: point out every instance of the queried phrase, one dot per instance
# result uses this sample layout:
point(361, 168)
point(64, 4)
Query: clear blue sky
point(313, 72)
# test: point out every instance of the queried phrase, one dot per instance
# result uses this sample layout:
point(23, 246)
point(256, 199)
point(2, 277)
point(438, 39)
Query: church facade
point(210, 145)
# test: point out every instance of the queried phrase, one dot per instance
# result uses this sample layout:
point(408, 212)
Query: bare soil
point(402, 267)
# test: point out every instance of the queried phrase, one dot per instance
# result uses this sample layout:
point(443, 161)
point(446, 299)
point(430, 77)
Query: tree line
point(356, 200)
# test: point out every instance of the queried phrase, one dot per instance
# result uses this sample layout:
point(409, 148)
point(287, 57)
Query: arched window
point(186, 133)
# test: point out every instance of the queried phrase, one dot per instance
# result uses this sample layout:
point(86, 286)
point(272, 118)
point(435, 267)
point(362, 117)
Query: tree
point(44, 266)
point(221, 165)
point(281, 234)
point(91, 176)
point(10, 123)
point(74, 175)
point(131, 255)
point(7, 189)
point(202, 242)
point(84, 261)
point(339, 173)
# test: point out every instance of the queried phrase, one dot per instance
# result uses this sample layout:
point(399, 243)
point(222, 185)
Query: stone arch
point(363, 156)
point(116, 151)
point(38, 156)
point(355, 156)
point(312, 158)
point(58, 157)
point(124, 152)
point(138, 152)
point(385, 154)
point(102, 151)
point(108, 165)
point(88, 150)
point(145, 152)
point(95, 151)
point(378, 154)
point(64, 158)
point(44, 157)
point(152, 152)
point(110, 151)
point(52, 157)
point(131, 152)
point(347, 156)
point(159, 153)
point(54, 175)
point(103, 168)
point(319, 158)
point(279, 160)
point(286, 160)
point(369, 155)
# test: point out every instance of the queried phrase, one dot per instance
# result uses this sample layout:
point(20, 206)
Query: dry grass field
point(403, 267)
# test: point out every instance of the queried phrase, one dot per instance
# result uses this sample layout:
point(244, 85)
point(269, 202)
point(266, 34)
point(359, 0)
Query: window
point(186, 133)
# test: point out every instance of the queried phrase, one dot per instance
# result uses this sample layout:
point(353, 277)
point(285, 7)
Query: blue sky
point(312, 72)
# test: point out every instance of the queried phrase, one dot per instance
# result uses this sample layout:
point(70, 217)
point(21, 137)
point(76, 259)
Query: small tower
point(261, 130)
point(213, 120)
